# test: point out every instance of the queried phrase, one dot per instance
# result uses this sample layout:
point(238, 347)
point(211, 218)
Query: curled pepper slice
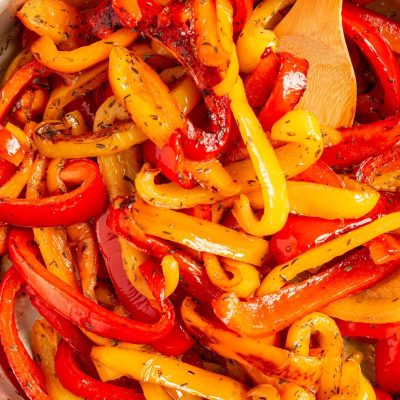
point(25, 370)
point(74, 306)
point(81, 384)
point(19, 81)
point(79, 205)
point(47, 54)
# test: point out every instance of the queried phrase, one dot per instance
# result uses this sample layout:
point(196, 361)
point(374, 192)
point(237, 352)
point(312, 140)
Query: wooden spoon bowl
point(313, 30)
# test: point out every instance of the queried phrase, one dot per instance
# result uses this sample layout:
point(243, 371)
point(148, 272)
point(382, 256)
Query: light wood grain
point(313, 30)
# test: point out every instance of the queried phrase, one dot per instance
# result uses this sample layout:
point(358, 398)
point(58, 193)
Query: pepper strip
point(201, 236)
point(329, 340)
point(66, 93)
point(275, 311)
point(20, 79)
point(266, 358)
point(54, 140)
point(25, 370)
point(80, 310)
point(66, 20)
point(268, 170)
point(147, 98)
point(45, 51)
point(379, 55)
point(65, 209)
point(244, 281)
point(328, 251)
point(44, 341)
point(112, 363)
point(256, 35)
point(75, 380)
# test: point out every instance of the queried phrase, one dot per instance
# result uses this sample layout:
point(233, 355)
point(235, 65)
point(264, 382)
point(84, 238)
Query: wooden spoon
point(313, 30)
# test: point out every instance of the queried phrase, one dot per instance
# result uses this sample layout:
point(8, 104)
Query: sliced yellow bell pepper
point(244, 281)
point(329, 340)
point(170, 268)
point(46, 52)
point(328, 251)
point(186, 95)
point(66, 21)
point(44, 339)
point(53, 139)
point(257, 34)
point(209, 48)
point(15, 185)
point(267, 168)
point(64, 94)
point(272, 361)
point(199, 234)
point(137, 86)
point(152, 391)
point(153, 368)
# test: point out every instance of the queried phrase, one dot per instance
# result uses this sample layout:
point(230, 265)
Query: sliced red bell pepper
point(290, 85)
point(374, 166)
point(381, 395)
point(169, 161)
point(387, 364)
point(7, 170)
point(145, 11)
point(79, 205)
point(72, 305)
point(242, 10)
point(86, 105)
point(369, 331)
point(321, 173)
point(276, 311)
point(387, 27)
point(377, 52)
point(19, 81)
point(202, 211)
point(193, 278)
point(25, 370)
point(259, 84)
point(103, 20)
point(81, 384)
point(177, 341)
point(363, 141)
point(384, 248)
point(177, 36)
point(302, 233)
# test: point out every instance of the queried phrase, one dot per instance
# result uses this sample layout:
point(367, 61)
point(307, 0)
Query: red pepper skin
point(242, 11)
point(149, 11)
point(385, 162)
point(279, 310)
point(363, 141)
point(103, 20)
point(81, 384)
point(81, 345)
point(290, 85)
point(79, 205)
point(169, 161)
point(378, 53)
point(7, 170)
point(194, 279)
point(302, 233)
point(259, 84)
point(134, 302)
point(25, 370)
point(387, 27)
point(381, 395)
point(387, 364)
point(202, 211)
point(72, 305)
point(321, 173)
point(86, 105)
point(173, 32)
point(369, 331)
point(18, 82)
point(178, 340)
